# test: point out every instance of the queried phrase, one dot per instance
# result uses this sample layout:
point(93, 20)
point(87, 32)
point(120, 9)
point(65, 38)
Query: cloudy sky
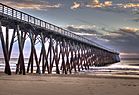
point(111, 23)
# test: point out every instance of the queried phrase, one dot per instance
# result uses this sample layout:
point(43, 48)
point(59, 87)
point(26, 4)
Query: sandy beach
point(67, 85)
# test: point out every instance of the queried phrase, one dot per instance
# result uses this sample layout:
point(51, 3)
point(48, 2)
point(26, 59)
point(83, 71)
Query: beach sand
point(67, 85)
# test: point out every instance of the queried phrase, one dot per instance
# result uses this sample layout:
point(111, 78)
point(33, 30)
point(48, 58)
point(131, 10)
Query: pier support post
point(5, 52)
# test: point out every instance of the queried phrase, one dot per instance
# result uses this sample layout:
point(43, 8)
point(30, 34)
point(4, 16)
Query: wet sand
point(67, 85)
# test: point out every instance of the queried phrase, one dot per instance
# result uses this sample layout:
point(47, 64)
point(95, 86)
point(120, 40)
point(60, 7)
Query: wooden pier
point(65, 51)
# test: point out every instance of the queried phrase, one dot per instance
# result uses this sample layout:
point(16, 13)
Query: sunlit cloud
point(95, 1)
point(113, 34)
point(98, 4)
point(83, 26)
point(84, 34)
point(108, 3)
point(129, 5)
point(130, 29)
point(29, 4)
point(92, 4)
point(75, 5)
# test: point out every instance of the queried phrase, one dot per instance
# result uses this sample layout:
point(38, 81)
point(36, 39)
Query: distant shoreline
point(129, 58)
point(76, 75)
point(1, 58)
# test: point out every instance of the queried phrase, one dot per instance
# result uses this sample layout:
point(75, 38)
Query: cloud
point(117, 6)
point(123, 35)
point(130, 29)
point(92, 4)
point(88, 29)
point(129, 5)
point(83, 26)
point(125, 39)
point(31, 4)
point(75, 5)
point(108, 3)
point(135, 11)
point(98, 4)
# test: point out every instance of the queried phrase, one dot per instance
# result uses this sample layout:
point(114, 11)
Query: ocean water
point(125, 67)
point(13, 62)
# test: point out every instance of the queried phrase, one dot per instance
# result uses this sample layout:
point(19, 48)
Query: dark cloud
point(111, 9)
point(123, 40)
point(126, 41)
point(83, 30)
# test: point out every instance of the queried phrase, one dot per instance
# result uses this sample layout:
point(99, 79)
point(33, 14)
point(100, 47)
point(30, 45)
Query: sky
point(111, 23)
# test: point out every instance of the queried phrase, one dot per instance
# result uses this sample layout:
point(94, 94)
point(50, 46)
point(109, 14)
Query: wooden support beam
point(75, 60)
point(78, 59)
point(7, 39)
point(85, 62)
point(63, 57)
point(37, 63)
point(53, 60)
point(32, 49)
point(40, 56)
point(46, 60)
point(81, 58)
point(50, 50)
point(33, 54)
point(29, 62)
point(71, 58)
point(67, 50)
point(57, 58)
point(19, 70)
point(11, 44)
point(5, 52)
point(44, 55)
point(87, 55)
point(32, 59)
point(43, 61)
point(7, 42)
point(21, 39)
